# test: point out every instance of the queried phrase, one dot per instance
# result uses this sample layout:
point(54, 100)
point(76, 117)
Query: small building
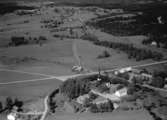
point(121, 92)
point(154, 43)
point(123, 70)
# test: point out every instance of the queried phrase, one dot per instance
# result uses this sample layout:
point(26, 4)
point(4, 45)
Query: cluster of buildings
point(115, 97)
point(117, 92)
point(135, 73)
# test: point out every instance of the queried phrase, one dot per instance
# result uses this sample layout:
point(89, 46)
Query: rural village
point(70, 61)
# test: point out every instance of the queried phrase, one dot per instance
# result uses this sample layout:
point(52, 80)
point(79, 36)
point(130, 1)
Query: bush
point(16, 41)
point(158, 82)
point(42, 38)
point(1, 107)
point(89, 37)
point(105, 54)
point(19, 104)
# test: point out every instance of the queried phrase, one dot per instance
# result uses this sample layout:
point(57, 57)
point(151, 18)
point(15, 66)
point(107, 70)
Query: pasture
point(89, 53)
point(26, 90)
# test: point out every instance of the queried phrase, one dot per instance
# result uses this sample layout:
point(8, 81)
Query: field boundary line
point(26, 81)
point(30, 73)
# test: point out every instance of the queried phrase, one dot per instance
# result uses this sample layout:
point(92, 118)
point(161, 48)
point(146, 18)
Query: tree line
point(21, 40)
point(133, 53)
point(52, 102)
point(75, 87)
point(9, 103)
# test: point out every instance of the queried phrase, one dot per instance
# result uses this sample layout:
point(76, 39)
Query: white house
point(127, 69)
point(153, 43)
point(11, 116)
point(122, 92)
point(116, 105)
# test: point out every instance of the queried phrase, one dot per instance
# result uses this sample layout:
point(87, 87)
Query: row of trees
point(21, 40)
point(133, 52)
point(52, 102)
point(9, 7)
point(136, 25)
point(103, 107)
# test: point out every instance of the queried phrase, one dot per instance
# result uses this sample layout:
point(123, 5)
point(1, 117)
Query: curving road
point(46, 108)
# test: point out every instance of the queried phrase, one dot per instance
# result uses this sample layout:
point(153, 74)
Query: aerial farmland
point(83, 60)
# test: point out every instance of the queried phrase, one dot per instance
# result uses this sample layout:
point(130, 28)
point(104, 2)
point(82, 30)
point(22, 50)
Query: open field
point(8, 76)
point(116, 115)
point(55, 56)
point(28, 91)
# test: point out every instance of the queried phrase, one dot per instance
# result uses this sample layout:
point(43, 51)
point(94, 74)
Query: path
point(46, 108)
point(74, 49)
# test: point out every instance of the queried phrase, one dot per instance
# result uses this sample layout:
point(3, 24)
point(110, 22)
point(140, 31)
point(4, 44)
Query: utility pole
point(99, 74)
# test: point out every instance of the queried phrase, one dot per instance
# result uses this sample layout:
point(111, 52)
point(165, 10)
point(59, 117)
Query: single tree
point(1, 107)
point(9, 103)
